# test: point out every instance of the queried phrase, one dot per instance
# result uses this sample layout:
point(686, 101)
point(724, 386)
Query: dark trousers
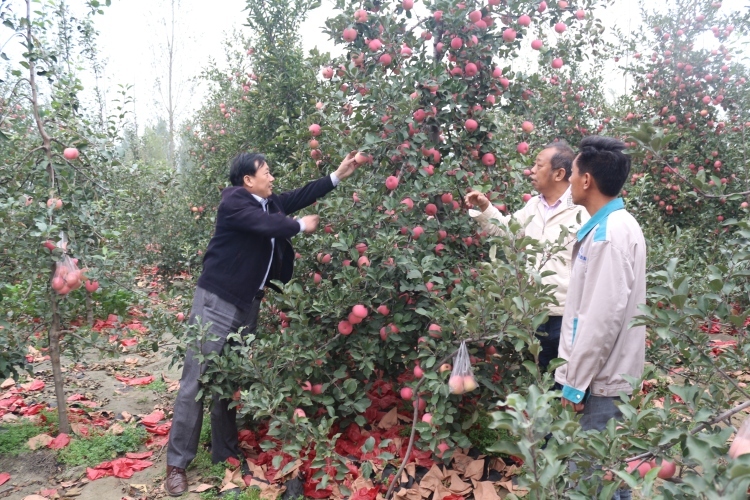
point(225, 318)
point(550, 340)
point(597, 411)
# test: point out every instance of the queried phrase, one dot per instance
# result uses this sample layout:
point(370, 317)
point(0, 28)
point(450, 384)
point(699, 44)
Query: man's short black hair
point(563, 157)
point(602, 157)
point(245, 164)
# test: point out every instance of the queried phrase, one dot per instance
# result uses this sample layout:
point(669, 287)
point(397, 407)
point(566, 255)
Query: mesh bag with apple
point(462, 377)
point(67, 276)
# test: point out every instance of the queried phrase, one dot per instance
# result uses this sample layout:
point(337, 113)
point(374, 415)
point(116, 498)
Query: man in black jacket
point(250, 247)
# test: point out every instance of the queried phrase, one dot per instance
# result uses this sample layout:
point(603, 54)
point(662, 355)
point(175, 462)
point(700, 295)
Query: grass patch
point(247, 494)
point(158, 386)
point(13, 437)
point(98, 448)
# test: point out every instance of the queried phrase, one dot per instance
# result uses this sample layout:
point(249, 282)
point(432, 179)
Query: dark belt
point(260, 294)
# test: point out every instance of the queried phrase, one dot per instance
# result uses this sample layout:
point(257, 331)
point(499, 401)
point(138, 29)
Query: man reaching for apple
point(549, 211)
point(607, 284)
point(250, 247)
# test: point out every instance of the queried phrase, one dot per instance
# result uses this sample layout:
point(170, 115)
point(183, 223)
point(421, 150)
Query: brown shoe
point(176, 482)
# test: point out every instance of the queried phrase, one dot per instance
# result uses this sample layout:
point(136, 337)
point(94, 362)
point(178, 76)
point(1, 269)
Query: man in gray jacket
point(607, 283)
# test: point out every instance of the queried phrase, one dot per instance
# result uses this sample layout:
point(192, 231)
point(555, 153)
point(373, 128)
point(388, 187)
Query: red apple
point(527, 127)
point(345, 328)
point(469, 383)
point(488, 159)
point(526, 197)
point(317, 389)
point(523, 147)
point(391, 182)
point(385, 59)
point(430, 209)
point(363, 262)
point(456, 384)
point(471, 125)
point(49, 245)
point(524, 20)
point(327, 72)
point(557, 63)
point(456, 43)
point(360, 311)
point(407, 393)
point(408, 202)
point(475, 16)
point(350, 34)
point(560, 27)
point(70, 153)
point(92, 286)
point(314, 129)
point(427, 418)
point(536, 44)
point(375, 45)
point(418, 372)
point(470, 69)
point(509, 34)
point(299, 413)
point(383, 309)
point(361, 158)
point(417, 232)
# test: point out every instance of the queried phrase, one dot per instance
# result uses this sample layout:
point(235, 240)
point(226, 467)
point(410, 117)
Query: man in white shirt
point(543, 217)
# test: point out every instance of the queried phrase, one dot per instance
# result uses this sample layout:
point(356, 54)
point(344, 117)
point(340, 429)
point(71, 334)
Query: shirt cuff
point(302, 226)
point(335, 180)
point(573, 395)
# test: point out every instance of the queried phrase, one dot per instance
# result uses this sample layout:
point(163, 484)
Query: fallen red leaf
point(128, 342)
point(125, 467)
point(61, 441)
point(139, 456)
point(34, 385)
point(153, 418)
point(97, 473)
point(365, 494)
point(135, 381)
point(4, 477)
point(233, 462)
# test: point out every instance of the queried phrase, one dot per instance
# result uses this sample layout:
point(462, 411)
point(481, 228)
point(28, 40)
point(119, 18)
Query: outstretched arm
point(303, 197)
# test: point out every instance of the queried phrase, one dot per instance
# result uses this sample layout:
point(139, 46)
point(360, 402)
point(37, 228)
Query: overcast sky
point(131, 32)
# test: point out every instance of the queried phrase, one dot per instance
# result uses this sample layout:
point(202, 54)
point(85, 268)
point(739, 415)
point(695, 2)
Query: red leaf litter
point(61, 441)
point(34, 385)
point(4, 477)
point(128, 342)
point(135, 380)
point(140, 456)
point(123, 468)
point(365, 494)
point(110, 322)
point(159, 432)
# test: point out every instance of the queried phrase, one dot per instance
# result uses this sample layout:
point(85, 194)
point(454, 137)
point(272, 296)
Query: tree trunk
point(89, 309)
point(54, 354)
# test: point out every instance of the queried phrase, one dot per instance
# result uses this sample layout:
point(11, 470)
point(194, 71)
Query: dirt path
point(39, 470)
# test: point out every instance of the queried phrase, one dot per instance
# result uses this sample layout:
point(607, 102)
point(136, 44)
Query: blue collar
point(602, 214)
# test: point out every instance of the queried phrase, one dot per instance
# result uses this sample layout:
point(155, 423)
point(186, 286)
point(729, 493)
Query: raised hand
point(478, 199)
point(311, 223)
point(347, 167)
